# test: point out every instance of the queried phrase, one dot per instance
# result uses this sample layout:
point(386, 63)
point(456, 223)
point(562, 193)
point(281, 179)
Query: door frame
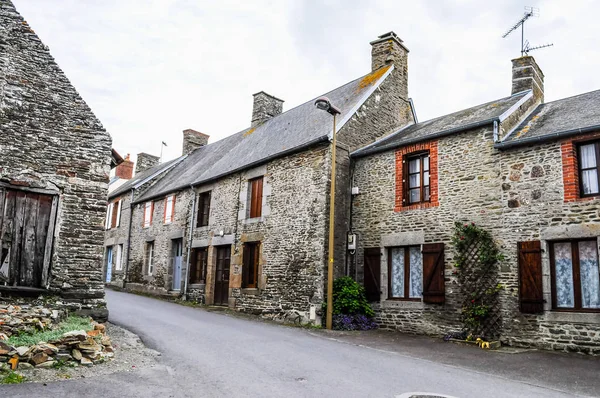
point(177, 247)
point(216, 281)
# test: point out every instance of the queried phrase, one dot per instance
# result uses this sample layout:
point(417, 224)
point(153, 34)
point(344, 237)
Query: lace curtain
point(415, 287)
point(589, 274)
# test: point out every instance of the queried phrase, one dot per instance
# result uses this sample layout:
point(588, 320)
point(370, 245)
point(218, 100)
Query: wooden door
point(222, 275)
point(26, 228)
point(372, 274)
point(109, 263)
point(177, 261)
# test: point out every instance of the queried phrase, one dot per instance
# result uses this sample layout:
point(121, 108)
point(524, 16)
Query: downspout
point(189, 248)
point(125, 278)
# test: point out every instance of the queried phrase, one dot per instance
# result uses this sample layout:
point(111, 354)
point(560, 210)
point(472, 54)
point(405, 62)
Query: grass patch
point(71, 323)
point(11, 378)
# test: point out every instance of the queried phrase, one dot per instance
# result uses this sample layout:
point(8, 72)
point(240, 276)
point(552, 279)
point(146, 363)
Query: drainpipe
point(189, 248)
point(125, 277)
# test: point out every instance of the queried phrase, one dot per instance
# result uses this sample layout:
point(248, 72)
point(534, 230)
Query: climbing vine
point(476, 260)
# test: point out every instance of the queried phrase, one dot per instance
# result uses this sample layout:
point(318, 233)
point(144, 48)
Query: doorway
point(222, 275)
point(177, 245)
point(372, 274)
point(109, 261)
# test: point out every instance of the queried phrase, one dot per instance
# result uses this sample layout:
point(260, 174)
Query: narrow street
point(211, 354)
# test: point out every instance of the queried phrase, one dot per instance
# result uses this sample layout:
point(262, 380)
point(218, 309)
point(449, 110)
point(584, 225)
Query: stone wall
point(50, 139)
point(516, 194)
point(118, 236)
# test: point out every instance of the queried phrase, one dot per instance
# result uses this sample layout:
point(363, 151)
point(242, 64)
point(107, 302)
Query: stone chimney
point(265, 107)
point(125, 169)
point(193, 140)
point(527, 75)
point(386, 50)
point(145, 161)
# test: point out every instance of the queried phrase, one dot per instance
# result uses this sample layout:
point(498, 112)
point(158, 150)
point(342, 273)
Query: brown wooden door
point(26, 237)
point(373, 274)
point(222, 275)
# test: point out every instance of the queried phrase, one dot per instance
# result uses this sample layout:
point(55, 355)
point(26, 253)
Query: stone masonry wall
point(51, 139)
point(516, 194)
point(118, 236)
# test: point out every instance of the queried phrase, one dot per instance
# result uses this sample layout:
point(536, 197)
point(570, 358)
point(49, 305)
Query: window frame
point(421, 155)
point(169, 208)
point(577, 298)
point(580, 168)
point(254, 257)
point(149, 258)
point(203, 215)
point(194, 265)
point(119, 258)
point(146, 223)
point(406, 273)
point(255, 208)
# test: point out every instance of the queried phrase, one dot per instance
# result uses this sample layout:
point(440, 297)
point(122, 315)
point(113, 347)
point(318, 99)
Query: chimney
point(527, 75)
point(145, 161)
point(265, 107)
point(125, 169)
point(387, 50)
point(193, 140)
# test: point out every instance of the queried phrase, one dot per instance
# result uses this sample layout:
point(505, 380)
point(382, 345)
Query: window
point(203, 209)
point(417, 179)
point(169, 209)
point(113, 214)
point(149, 258)
point(119, 258)
point(148, 209)
point(589, 169)
point(255, 188)
point(198, 265)
point(405, 273)
point(250, 266)
point(575, 275)
point(109, 211)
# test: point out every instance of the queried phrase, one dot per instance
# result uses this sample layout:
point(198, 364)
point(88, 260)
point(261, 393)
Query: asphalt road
point(211, 354)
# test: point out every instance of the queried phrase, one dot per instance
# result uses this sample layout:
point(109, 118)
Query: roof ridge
point(571, 96)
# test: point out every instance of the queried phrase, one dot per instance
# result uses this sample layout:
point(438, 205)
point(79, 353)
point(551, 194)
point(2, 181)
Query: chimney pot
point(527, 75)
point(265, 107)
point(388, 49)
point(193, 140)
point(125, 169)
point(145, 161)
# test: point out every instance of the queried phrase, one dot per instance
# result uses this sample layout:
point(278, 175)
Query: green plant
point(349, 298)
point(12, 378)
point(71, 323)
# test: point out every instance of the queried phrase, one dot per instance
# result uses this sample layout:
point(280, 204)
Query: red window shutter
point(115, 212)
point(531, 295)
point(434, 288)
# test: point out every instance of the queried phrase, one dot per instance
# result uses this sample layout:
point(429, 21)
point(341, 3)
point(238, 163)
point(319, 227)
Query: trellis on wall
point(477, 263)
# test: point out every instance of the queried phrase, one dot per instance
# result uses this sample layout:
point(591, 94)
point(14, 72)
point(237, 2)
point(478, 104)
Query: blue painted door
point(109, 261)
point(177, 262)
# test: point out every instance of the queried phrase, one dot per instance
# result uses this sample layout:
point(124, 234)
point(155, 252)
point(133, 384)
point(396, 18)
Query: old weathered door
point(372, 274)
point(26, 229)
point(109, 262)
point(177, 261)
point(222, 275)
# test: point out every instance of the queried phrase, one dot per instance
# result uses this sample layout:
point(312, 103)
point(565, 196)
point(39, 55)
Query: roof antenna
point(525, 47)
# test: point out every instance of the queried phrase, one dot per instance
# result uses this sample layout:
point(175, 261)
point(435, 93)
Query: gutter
point(189, 248)
point(125, 280)
point(278, 155)
point(362, 152)
point(547, 137)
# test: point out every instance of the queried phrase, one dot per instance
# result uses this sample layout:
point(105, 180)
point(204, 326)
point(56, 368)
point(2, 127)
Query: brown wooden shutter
point(434, 289)
point(531, 295)
point(115, 212)
point(372, 261)
point(256, 197)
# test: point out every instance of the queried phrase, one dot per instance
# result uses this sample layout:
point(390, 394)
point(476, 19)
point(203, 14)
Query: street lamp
point(324, 104)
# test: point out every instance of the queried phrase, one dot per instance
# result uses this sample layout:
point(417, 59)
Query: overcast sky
point(152, 68)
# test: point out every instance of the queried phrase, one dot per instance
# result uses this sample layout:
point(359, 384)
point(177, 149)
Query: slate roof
point(291, 131)
point(449, 124)
point(567, 116)
point(140, 177)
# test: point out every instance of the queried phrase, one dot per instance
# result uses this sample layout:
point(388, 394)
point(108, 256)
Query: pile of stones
point(76, 347)
point(15, 319)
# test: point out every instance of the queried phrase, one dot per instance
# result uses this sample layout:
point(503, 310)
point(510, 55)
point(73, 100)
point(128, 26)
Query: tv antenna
point(525, 46)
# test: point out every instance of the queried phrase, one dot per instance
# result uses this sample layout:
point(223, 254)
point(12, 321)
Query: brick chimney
point(386, 50)
point(265, 107)
point(125, 169)
point(145, 161)
point(193, 140)
point(527, 75)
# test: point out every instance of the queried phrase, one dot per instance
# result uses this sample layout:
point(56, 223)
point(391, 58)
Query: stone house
point(525, 170)
point(55, 158)
point(243, 221)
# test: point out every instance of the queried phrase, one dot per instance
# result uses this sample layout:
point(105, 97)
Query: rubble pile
point(78, 347)
point(15, 319)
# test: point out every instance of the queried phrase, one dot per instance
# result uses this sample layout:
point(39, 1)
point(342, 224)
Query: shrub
point(351, 310)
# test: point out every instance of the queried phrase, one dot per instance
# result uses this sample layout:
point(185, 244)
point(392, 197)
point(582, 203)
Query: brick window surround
point(570, 166)
point(401, 154)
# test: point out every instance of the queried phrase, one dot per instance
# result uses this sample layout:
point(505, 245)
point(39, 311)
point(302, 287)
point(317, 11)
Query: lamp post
point(324, 104)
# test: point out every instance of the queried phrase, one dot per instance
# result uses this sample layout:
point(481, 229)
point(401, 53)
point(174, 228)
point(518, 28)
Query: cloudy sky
point(152, 68)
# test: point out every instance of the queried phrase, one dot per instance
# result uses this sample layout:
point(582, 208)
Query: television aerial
point(525, 46)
